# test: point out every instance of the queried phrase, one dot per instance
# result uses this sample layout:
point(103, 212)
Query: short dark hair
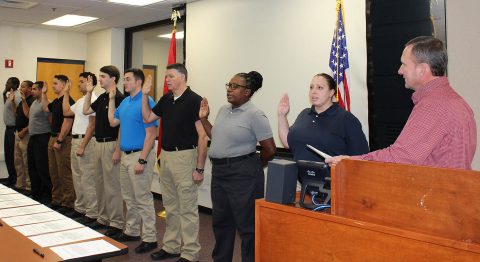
point(15, 82)
point(39, 84)
point(62, 78)
point(87, 74)
point(137, 73)
point(332, 85)
point(253, 80)
point(29, 83)
point(430, 50)
point(180, 68)
point(112, 71)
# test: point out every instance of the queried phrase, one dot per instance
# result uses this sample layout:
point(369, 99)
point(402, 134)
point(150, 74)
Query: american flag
point(339, 59)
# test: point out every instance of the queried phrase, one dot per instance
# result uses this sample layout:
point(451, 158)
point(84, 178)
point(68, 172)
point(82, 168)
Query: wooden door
point(47, 68)
point(151, 70)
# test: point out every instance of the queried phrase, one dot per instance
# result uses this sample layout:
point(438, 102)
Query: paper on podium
point(318, 152)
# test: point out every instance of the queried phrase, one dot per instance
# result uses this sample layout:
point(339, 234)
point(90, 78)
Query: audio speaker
point(281, 181)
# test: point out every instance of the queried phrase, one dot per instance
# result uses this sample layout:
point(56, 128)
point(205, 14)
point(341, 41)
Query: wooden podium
point(380, 212)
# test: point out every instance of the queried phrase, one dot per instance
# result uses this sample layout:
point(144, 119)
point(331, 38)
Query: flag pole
point(339, 5)
point(171, 59)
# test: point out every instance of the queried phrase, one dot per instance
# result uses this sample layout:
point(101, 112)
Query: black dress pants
point(37, 153)
point(234, 189)
point(8, 147)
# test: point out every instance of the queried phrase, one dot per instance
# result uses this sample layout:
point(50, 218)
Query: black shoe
point(112, 231)
point(74, 214)
point(65, 210)
point(122, 237)
point(95, 225)
point(162, 254)
point(182, 259)
point(144, 247)
point(53, 206)
point(84, 220)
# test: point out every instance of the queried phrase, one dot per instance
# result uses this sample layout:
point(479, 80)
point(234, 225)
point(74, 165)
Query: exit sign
point(8, 63)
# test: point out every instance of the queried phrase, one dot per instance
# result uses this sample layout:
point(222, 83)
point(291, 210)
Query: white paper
point(14, 196)
point(84, 249)
point(7, 190)
point(33, 218)
point(63, 237)
point(48, 227)
point(322, 154)
point(18, 203)
point(19, 211)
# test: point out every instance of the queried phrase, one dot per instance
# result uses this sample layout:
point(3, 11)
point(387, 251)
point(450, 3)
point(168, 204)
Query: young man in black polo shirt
point(59, 146)
point(22, 136)
point(184, 149)
point(107, 153)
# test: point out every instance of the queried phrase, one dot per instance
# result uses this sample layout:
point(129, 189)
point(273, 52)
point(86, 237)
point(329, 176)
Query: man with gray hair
point(441, 130)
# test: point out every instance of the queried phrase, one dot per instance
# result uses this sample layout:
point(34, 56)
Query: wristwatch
point(142, 161)
point(199, 170)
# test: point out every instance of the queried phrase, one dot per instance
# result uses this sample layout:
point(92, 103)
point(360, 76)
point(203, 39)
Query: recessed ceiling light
point(136, 2)
point(70, 20)
point(178, 35)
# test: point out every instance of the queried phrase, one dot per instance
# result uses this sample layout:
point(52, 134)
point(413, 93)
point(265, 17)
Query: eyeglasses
point(233, 86)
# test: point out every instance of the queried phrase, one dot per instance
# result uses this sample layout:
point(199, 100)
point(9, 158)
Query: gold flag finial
point(175, 16)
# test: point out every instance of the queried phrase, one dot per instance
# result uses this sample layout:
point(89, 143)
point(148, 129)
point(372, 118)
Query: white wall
point(24, 45)
point(463, 40)
point(286, 41)
point(106, 47)
point(156, 53)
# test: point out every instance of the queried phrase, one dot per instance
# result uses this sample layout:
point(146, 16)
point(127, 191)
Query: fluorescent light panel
point(70, 20)
point(136, 2)
point(178, 35)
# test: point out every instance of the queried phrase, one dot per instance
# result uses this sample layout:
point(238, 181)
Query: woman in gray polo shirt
point(237, 172)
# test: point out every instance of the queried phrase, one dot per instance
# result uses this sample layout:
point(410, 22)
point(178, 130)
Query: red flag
point(172, 57)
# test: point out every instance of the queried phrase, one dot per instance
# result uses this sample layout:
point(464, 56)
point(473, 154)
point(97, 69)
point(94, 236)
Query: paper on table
point(18, 203)
point(7, 190)
point(319, 152)
point(33, 218)
point(58, 238)
point(47, 227)
point(18, 211)
point(84, 249)
point(12, 196)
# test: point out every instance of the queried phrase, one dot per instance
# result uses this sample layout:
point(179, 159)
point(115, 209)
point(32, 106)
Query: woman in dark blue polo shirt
point(324, 125)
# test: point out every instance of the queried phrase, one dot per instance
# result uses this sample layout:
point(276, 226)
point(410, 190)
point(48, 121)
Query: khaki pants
point(138, 197)
point(21, 162)
point(84, 179)
point(107, 183)
point(61, 172)
point(179, 196)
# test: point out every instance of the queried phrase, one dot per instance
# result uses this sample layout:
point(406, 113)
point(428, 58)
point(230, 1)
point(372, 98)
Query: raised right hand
point(283, 106)
point(204, 109)
point(45, 87)
point(112, 92)
point(147, 86)
point(66, 89)
point(89, 84)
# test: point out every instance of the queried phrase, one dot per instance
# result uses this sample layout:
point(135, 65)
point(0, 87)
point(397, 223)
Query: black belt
point(56, 134)
point(178, 148)
point(78, 136)
point(105, 139)
point(230, 160)
point(10, 127)
point(128, 152)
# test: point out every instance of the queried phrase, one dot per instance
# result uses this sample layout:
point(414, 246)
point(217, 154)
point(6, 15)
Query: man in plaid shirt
point(441, 130)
